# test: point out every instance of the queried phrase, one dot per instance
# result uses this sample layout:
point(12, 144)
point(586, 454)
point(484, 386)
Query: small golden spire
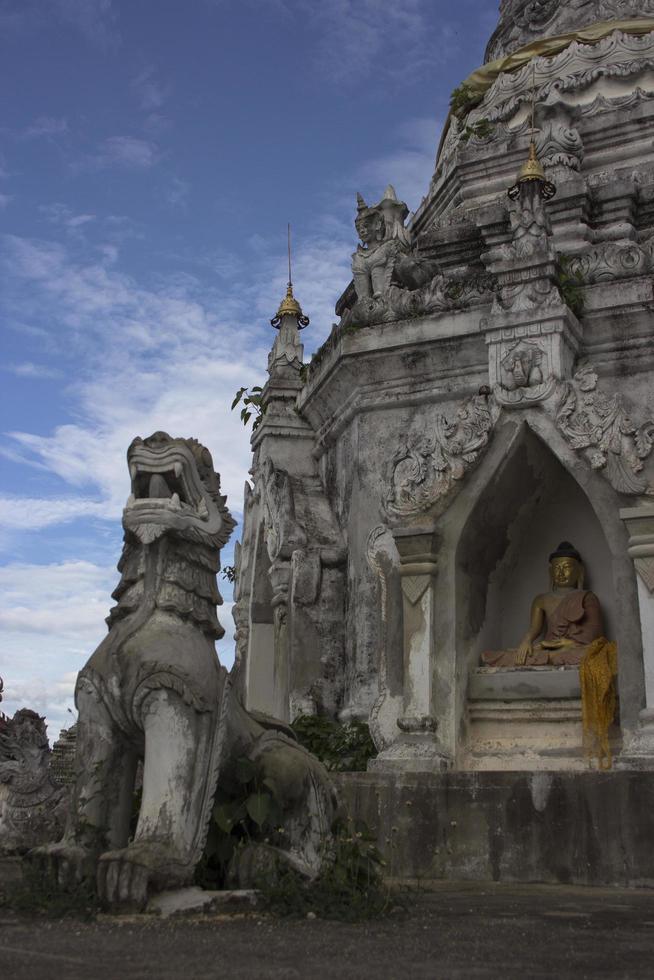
point(289, 306)
point(532, 168)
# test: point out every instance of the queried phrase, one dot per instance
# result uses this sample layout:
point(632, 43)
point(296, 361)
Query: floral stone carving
point(611, 260)
point(598, 425)
point(426, 468)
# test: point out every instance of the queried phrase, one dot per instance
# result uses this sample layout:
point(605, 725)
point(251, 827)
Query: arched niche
point(529, 505)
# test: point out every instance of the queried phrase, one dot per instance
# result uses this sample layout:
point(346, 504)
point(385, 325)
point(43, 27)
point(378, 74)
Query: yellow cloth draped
point(597, 673)
point(482, 78)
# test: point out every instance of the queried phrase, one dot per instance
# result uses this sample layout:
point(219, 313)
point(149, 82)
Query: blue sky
point(151, 154)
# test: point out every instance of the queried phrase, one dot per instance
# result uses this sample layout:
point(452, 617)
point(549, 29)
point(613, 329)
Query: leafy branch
point(252, 405)
point(340, 748)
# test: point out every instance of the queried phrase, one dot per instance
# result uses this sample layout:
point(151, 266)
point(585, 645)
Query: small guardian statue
point(384, 239)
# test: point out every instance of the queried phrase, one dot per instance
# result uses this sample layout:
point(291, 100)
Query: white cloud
point(5, 199)
point(409, 166)
point(123, 152)
point(61, 214)
point(95, 19)
point(52, 618)
point(151, 93)
point(128, 151)
point(161, 360)
point(364, 41)
point(47, 126)
point(177, 193)
point(27, 369)
point(355, 38)
point(34, 514)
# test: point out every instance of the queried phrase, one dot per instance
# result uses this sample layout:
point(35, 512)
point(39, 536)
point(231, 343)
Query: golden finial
point(289, 306)
point(532, 168)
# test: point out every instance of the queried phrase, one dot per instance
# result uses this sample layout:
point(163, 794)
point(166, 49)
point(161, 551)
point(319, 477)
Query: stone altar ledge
point(515, 683)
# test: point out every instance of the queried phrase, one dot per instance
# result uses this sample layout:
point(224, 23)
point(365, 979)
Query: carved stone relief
point(382, 557)
point(427, 467)
point(612, 260)
point(560, 145)
point(243, 557)
point(307, 551)
point(598, 425)
point(525, 268)
point(32, 804)
point(527, 361)
point(440, 295)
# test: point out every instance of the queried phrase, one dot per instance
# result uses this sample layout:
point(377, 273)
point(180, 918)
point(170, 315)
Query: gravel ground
point(453, 931)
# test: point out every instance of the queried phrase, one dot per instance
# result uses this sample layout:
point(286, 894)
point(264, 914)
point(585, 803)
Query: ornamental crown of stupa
point(523, 22)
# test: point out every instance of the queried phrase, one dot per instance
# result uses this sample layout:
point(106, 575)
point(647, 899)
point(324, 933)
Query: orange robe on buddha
point(578, 617)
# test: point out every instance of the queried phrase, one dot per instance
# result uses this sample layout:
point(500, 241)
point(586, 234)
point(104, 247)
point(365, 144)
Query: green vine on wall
point(570, 284)
point(463, 100)
point(340, 747)
point(481, 130)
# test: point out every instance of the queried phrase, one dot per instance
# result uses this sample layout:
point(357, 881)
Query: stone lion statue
point(155, 690)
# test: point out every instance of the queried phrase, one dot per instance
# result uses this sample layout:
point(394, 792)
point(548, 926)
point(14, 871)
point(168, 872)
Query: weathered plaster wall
point(573, 828)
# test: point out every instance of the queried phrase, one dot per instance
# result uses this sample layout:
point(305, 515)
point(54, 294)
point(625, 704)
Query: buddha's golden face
point(565, 572)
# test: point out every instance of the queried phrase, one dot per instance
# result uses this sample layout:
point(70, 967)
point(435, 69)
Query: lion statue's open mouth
point(174, 487)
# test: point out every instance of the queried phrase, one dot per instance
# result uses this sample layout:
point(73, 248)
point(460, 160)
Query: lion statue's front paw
point(126, 877)
point(66, 863)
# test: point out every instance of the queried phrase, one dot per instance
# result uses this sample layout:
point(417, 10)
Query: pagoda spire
point(285, 364)
point(287, 351)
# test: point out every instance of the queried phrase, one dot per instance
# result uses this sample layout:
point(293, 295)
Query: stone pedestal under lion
point(155, 690)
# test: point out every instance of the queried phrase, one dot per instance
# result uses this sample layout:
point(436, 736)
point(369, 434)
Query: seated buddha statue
point(563, 623)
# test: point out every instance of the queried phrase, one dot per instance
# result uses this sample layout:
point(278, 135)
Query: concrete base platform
point(590, 828)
